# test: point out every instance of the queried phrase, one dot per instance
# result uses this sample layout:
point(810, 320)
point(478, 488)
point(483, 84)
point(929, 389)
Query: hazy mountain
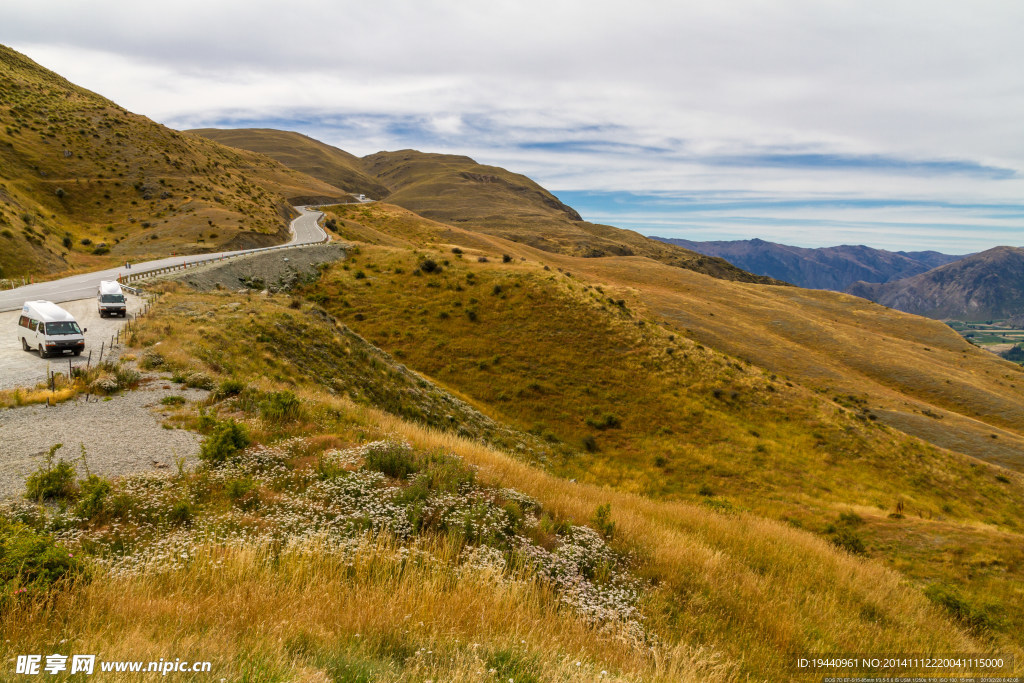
point(980, 286)
point(834, 268)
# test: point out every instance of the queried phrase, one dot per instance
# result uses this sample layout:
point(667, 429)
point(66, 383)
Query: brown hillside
point(811, 415)
point(84, 183)
point(457, 190)
point(914, 374)
point(295, 150)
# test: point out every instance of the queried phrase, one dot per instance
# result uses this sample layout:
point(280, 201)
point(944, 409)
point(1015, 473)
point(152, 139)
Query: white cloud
point(662, 85)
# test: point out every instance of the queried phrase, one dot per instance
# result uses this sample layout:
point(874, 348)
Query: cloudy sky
point(896, 124)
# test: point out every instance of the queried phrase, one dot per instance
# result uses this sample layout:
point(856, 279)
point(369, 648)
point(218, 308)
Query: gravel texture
point(19, 368)
point(123, 435)
point(272, 270)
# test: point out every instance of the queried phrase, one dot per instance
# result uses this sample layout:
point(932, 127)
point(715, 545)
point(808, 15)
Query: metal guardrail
point(144, 275)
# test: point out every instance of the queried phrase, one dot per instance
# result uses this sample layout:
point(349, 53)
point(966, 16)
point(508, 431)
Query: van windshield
point(63, 327)
point(112, 299)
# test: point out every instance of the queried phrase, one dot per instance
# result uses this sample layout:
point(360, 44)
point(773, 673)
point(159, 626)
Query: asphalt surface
point(305, 230)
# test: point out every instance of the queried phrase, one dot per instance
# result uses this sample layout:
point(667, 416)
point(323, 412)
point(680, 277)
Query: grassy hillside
point(591, 356)
point(317, 159)
point(913, 373)
point(284, 537)
point(85, 184)
point(457, 190)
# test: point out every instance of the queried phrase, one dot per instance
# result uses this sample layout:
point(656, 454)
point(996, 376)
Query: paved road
point(305, 230)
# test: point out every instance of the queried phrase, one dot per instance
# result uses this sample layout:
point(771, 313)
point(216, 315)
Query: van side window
point(23, 321)
point(33, 325)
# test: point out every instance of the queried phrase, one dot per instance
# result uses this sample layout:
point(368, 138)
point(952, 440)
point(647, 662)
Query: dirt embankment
point(274, 270)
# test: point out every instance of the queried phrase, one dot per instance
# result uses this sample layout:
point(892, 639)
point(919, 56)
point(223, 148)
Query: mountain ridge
point(834, 268)
point(982, 286)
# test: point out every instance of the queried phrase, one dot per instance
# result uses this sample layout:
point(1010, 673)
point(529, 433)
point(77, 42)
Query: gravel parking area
point(123, 435)
point(20, 368)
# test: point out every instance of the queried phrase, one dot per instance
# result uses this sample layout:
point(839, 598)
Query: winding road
point(305, 230)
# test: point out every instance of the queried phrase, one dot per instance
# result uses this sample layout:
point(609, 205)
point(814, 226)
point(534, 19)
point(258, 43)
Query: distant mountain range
point(989, 285)
point(834, 268)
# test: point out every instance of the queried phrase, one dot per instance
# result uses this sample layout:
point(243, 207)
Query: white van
point(110, 299)
point(50, 329)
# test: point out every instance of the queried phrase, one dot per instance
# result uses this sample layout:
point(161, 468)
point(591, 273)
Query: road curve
point(305, 230)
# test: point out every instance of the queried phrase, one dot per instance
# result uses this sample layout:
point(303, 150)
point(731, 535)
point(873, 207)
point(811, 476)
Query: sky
point(896, 124)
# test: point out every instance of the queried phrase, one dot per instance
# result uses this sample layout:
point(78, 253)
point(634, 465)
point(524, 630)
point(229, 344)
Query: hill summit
point(456, 189)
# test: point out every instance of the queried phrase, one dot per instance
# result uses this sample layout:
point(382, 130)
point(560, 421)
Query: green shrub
point(280, 406)
point(393, 459)
point(243, 493)
point(181, 513)
point(229, 387)
point(445, 473)
point(848, 540)
point(127, 378)
point(173, 400)
point(151, 359)
point(30, 562)
point(850, 518)
point(962, 609)
point(52, 481)
point(94, 492)
point(199, 380)
point(609, 421)
point(430, 266)
point(602, 521)
point(224, 442)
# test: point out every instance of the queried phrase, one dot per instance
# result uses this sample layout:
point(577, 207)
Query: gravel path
point(122, 436)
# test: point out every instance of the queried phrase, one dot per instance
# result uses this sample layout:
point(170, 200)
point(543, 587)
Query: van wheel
point(78, 353)
point(42, 354)
point(24, 344)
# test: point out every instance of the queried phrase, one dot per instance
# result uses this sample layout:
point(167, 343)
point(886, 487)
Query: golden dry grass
point(304, 614)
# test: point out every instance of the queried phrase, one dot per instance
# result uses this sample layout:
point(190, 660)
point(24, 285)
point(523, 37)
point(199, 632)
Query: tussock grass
point(103, 379)
point(305, 615)
point(755, 588)
point(810, 460)
point(728, 593)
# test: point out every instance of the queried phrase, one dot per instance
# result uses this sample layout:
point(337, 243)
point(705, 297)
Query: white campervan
point(50, 329)
point(110, 299)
